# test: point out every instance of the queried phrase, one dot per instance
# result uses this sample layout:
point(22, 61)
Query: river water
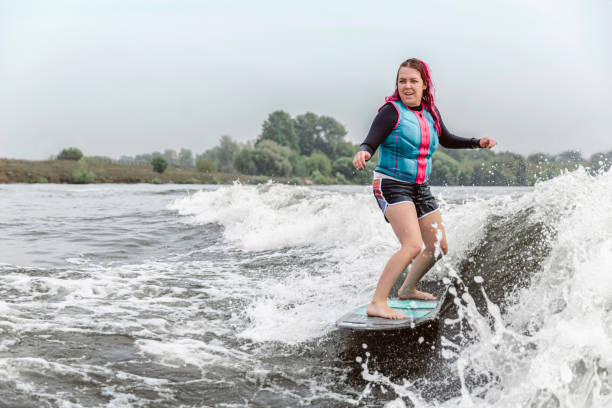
point(226, 296)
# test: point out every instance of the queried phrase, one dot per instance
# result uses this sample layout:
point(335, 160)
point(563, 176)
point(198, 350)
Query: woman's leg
point(404, 222)
point(433, 233)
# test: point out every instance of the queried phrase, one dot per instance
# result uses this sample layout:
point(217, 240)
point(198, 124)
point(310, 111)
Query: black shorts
point(389, 192)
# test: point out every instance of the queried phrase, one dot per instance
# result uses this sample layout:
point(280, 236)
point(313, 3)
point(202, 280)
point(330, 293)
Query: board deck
point(417, 312)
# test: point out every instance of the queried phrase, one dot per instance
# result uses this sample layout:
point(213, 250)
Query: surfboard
point(417, 312)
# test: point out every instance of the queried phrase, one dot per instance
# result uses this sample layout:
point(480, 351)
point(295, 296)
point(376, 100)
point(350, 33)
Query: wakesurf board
point(417, 312)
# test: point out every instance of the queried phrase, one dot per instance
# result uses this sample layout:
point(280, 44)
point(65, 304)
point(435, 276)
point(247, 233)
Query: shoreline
point(95, 171)
point(13, 171)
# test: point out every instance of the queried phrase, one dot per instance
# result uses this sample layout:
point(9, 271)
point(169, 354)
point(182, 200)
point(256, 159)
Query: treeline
point(312, 149)
point(307, 148)
point(484, 167)
point(184, 158)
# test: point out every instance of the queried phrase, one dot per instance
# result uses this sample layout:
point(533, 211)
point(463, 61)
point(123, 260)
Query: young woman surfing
point(407, 129)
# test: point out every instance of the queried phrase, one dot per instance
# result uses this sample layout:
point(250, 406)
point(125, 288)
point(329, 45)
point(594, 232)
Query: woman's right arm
point(383, 124)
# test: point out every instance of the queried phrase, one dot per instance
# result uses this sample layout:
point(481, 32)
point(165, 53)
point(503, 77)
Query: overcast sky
point(123, 77)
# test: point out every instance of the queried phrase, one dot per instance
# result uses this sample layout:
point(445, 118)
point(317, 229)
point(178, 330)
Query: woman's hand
point(359, 161)
point(485, 142)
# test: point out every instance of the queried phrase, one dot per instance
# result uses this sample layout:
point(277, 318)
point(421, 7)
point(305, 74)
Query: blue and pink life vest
point(406, 153)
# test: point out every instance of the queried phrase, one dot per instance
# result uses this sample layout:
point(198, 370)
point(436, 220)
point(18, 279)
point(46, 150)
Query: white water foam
point(275, 216)
point(303, 302)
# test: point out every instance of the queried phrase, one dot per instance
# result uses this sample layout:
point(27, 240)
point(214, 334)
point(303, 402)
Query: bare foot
point(416, 295)
point(381, 309)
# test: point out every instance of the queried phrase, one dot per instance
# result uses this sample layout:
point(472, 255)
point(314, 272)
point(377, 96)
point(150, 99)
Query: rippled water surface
point(204, 296)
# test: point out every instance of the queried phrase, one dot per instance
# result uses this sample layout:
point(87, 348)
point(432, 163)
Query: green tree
point(227, 149)
point(140, 158)
point(322, 133)
point(318, 162)
point(71, 153)
point(476, 155)
point(82, 176)
point(346, 149)
point(519, 167)
point(272, 159)
point(299, 166)
point(481, 175)
point(344, 166)
point(146, 158)
point(465, 174)
point(539, 167)
point(279, 128)
point(185, 158)
point(330, 138)
point(601, 161)
point(206, 166)
point(244, 161)
point(171, 156)
point(159, 164)
point(211, 154)
point(505, 169)
point(307, 129)
point(99, 159)
point(572, 156)
point(319, 178)
point(126, 159)
point(538, 158)
point(295, 160)
point(445, 170)
point(340, 179)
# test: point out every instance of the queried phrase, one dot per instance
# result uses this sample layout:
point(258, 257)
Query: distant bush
point(156, 181)
point(99, 159)
point(159, 164)
point(445, 170)
point(318, 162)
point(206, 166)
point(42, 180)
point(190, 180)
point(344, 166)
point(272, 159)
point(71, 153)
point(82, 176)
point(319, 178)
point(340, 179)
point(258, 180)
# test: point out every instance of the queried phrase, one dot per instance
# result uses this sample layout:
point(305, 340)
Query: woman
point(407, 129)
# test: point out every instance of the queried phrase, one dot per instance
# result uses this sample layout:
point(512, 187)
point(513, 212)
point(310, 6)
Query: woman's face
point(410, 86)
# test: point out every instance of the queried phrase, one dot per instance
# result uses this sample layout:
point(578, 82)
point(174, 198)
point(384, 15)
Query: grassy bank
point(63, 171)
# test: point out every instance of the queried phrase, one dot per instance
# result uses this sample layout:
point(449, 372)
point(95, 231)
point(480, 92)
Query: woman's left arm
point(451, 141)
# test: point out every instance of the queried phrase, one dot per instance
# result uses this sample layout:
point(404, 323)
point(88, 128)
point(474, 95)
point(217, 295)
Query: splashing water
point(552, 346)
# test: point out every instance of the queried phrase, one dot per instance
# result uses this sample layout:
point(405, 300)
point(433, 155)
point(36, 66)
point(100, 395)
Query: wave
point(533, 318)
point(532, 324)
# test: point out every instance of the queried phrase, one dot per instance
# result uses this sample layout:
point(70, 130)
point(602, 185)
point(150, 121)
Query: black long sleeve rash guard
point(385, 121)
